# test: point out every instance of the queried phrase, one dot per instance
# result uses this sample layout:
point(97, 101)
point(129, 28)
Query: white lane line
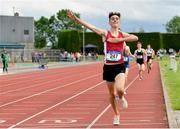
point(19, 109)
point(97, 118)
point(59, 118)
point(36, 102)
point(78, 104)
point(40, 79)
point(13, 113)
point(42, 83)
point(37, 73)
point(52, 70)
point(37, 94)
point(71, 113)
point(132, 112)
point(77, 108)
point(25, 106)
point(47, 109)
point(20, 77)
point(102, 113)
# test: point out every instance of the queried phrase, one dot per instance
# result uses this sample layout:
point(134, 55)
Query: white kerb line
point(97, 118)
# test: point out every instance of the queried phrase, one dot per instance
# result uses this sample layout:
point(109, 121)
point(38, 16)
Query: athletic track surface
point(77, 97)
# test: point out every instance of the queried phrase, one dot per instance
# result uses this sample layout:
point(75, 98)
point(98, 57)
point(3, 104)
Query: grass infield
point(172, 81)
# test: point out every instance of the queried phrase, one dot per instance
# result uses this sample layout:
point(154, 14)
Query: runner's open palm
point(71, 15)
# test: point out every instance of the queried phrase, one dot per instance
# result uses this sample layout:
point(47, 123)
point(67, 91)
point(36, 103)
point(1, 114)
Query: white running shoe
point(140, 78)
point(124, 103)
point(116, 120)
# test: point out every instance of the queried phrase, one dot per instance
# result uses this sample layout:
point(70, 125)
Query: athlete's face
point(148, 46)
point(4, 50)
point(114, 21)
point(139, 45)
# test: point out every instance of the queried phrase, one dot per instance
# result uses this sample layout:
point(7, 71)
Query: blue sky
point(151, 15)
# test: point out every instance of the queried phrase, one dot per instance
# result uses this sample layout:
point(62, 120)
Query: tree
point(64, 23)
point(48, 28)
point(41, 35)
point(173, 25)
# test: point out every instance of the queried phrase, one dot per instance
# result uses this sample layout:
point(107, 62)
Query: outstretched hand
point(71, 15)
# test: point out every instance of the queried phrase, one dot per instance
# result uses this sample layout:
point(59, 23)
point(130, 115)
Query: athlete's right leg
point(148, 66)
point(150, 63)
point(142, 68)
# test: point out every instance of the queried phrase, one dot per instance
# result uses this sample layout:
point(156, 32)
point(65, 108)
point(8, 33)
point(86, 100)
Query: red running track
point(77, 97)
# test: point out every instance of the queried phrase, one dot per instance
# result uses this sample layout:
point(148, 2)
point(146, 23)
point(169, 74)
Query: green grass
point(172, 82)
point(100, 57)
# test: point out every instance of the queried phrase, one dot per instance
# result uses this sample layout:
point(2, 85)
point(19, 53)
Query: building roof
point(17, 16)
point(11, 45)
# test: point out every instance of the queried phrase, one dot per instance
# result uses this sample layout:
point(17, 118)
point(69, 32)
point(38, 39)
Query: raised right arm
point(98, 31)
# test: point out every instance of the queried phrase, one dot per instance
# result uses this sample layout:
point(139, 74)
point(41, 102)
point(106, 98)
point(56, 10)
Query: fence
point(53, 55)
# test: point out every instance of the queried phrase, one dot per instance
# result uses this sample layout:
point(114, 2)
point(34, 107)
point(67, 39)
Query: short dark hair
point(114, 13)
point(139, 42)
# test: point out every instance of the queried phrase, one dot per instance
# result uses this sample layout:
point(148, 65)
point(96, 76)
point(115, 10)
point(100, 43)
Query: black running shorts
point(140, 61)
point(111, 71)
point(148, 58)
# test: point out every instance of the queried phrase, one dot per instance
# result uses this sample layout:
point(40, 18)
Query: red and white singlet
point(113, 51)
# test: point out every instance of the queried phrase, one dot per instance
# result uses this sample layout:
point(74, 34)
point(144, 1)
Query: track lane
point(40, 75)
point(96, 104)
point(146, 105)
point(26, 75)
point(37, 104)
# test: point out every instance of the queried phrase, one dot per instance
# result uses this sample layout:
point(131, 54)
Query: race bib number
point(113, 56)
point(139, 56)
point(125, 59)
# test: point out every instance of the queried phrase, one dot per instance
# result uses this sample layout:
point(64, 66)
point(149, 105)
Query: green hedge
point(72, 40)
point(69, 40)
point(93, 38)
point(171, 40)
point(147, 38)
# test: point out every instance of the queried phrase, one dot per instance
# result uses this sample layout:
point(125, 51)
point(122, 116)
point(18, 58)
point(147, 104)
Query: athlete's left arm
point(126, 38)
point(135, 53)
point(145, 54)
point(153, 53)
point(129, 37)
point(133, 56)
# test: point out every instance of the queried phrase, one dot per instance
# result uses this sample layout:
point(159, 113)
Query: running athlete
point(150, 56)
point(113, 70)
point(140, 55)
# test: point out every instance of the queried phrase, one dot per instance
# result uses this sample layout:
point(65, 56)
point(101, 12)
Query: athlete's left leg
point(142, 69)
point(119, 85)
